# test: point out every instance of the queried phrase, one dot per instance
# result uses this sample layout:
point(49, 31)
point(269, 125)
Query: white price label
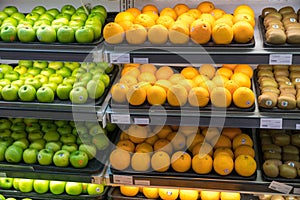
point(297, 126)
point(120, 58)
point(280, 187)
point(141, 121)
point(271, 123)
point(121, 179)
point(296, 191)
point(120, 119)
point(104, 121)
point(141, 60)
point(281, 59)
point(97, 179)
point(142, 182)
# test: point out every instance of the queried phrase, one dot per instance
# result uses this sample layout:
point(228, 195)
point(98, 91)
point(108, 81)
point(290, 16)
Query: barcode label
point(120, 179)
point(120, 119)
point(280, 187)
point(119, 58)
point(271, 123)
point(280, 59)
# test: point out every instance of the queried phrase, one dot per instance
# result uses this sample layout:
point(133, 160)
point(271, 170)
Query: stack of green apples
point(67, 25)
point(44, 81)
point(58, 143)
point(49, 186)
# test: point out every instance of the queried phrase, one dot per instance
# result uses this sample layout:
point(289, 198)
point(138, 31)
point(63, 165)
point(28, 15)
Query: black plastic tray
point(262, 31)
point(33, 195)
point(274, 109)
point(115, 194)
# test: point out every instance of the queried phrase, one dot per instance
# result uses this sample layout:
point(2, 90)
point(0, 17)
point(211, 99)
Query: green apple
point(78, 95)
point(53, 12)
point(27, 93)
point(101, 141)
point(16, 183)
point(51, 136)
point(12, 75)
point(38, 144)
point(69, 80)
point(96, 129)
point(84, 188)
point(73, 188)
point(45, 94)
point(6, 183)
point(29, 121)
point(95, 89)
point(9, 10)
point(41, 64)
point(56, 78)
point(99, 9)
point(25, 23)
point(90, 124)
point(84, 35)
point(68, 138)
point(96, 19)
point(75, 24)
point(44, 122)
point(46, 34)
point(57, 187)
point(105, 79)
point(5, 133)
point(33, 71)
point(7, 141)
point(70, 147)
point(54, 146)
point(63, 90)
point(8, 33)
point(89, 149)
point(72, 65)
point(61, 158)
point(47, 72)
point(21, 69)
point(46, 16)
point(35, 136)
point(18, 83)
point(32, 16)
point(80, 84)
point(45, 156)
point(68, 9)
point(30, 156)
point(13, 154)
point(9, 21)
point(61, 123)
point(4, 68)
point(42, 78)
point(48, 127)
point(5, 124)
point(79, 159)
point(86, 76)
point(64, 71)
point(18, 16)
point(25, 185)
point(55, 65)
point(25, 76)
point(40, 22)
point(97, 30)
point(65, 34)
point(84, 139)
point(3, 148)
point(78, 71)
point(16, 120)
point(18, 126)
point(32, 127)
point(79, 16)
point(65, 129)
point(41, 186)
point(80, 130)
point(10, 92)
point(63, 15)
point(23, 143)
point(16, 135)
point(95, 189)
point(39, 9)
point(3, 15)
point(33, 82)
point(51, 85)
point(110, 127)
point(26, 34)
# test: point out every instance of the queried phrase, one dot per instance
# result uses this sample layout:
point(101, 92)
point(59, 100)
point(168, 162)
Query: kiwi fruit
point(286, 9)
point(295, 139)
point(290, 149)
point(291, 91)
point(270, 169)
point(290, 156)
point(272, 155)
point(281, 72)
point(289, 15)
point(266, 140)
point(275, 36)
point(268, 83)
point(271, 148)
point(267, 10)
point(280, 67)
point(294, 68)
point(287, 171)
point(286, 102)
point(282, 78)
point(266, 67)
point(281, 139)
point(293, 163)
point(267, 100)
point(277, 197)
point(270, 89)
point(293, 36)
point(265, 72)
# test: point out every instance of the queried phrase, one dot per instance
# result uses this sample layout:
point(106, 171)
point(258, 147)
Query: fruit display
point(278, 87)
point(280, 151)
point(277, 197)
point(280, 26)
point(59, 143)
point(228, 85)
point(185, 150)
point(205, 24)
point(47, 82)
point(25, 189)
point(140, 193)
point(67, 25)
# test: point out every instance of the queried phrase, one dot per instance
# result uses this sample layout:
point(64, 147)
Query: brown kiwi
point(267, 100)
point(268, 10)
point(286, 9)
point(286, 102)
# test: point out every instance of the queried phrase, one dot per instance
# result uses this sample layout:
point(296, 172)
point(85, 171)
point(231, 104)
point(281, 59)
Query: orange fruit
point(167, 11)
point(217, 13)
point(193, 139)
point(223, 71)
point(242, 139)
point(119, 159)
point(187, 84)
point(144, 20)
point(164, 72)
point(209, 85)
point(210, 195)
point(194, 12)
point(178, 140)
point(137, 134)
point(223, 164)
point(210, 132)
point(125, 24)
point(152, 14)
point(156, 30)
point(128, 80)
point(181, 8)
point(175, 78)
point(156, 95)
point(231, 132)
point(134, 11)
point(206, 6)
point(129, 191)
point(202, 148)
point(124, 16)
point(165, 20)
point(224, 20)
point(244, 68)
point(230, 196)
point(165, 84)
point(219, 80)
point(177, 95)
point(241, 79)
point(113, 33)
point(186, 17)
point(150, 192)
point(189, 72)
point(136, 34)
point(145, 85)
point(143, 148)
point(131, 71)
point(160, 161)
point(118, 92)
point(207, 17)
point(150, 7)
point(243, 97)
point(220, 97)
point(198, 97)
point(181, 161)
point(207, 70)
point(124, 136)
point(187, 194)
point(230, 66)
point(202, 164)
point(136, 95)
point(228, 16)
point(243, 32)
point(220, 141)
point(245, 165)
point(244, 8)
point(222, 33)
point(126, 145)
point(200, 31)
point(151, 139)
point(199, 79)
point(163, 145)
point(188, 130)
point(223, 150)
point(244, 17)
point(162, 131)
point(244, 150)
point(140, 161)
point(168, 193)
point(147, 77)
point(147, 68)
point(231, 85)
point(179, 33)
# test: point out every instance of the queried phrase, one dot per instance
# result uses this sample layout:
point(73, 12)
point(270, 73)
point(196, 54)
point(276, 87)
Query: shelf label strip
point(144, 121)
point(280, 187)
point(119, 58)
point(141, 60)
point(120, 118)
point(272, 123)
point(121, 179)
point(296, 190)
point(142, 182)
point(281, 59)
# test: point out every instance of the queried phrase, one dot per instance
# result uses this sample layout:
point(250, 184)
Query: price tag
point(104, 121)
point(141, 60)
point(296, 190)
point(119, 58)
point(297, 126)
point(280, 187)
point(281, 59)
point(120, 119)
point(96, 179)
point(121, 179)
point(141, 121)
point(142, 182)
point(271, 123)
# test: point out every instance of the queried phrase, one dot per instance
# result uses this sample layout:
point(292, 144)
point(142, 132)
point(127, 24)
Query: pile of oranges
point(181, 24)
point(175, 193)
point(140, 83)
point(185, 149)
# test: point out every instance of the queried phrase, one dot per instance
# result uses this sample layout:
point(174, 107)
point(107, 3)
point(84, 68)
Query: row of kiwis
point(282, 26)
point(280, 150)
point(279, 86)
point(277, 197)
